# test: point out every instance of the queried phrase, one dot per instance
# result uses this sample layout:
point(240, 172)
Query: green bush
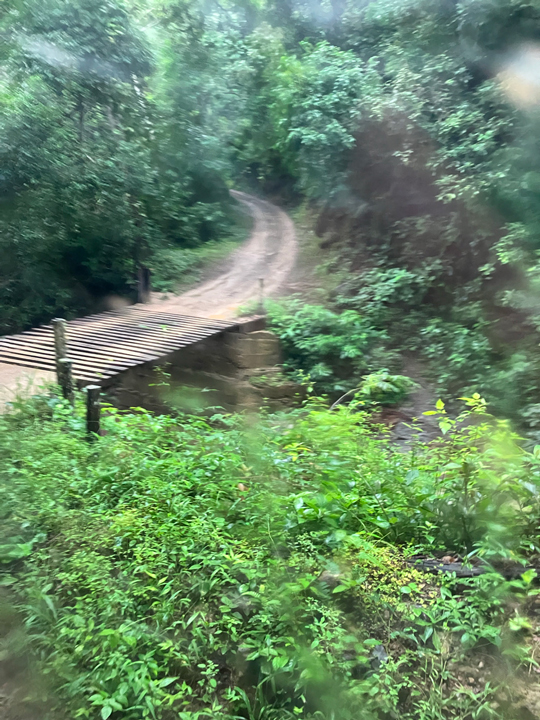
point(384, 388)
point(459, 353)
point(384, 295)
point(334, 348)
point(181, 568)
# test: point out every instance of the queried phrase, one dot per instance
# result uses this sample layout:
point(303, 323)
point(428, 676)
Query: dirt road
point(269, 253)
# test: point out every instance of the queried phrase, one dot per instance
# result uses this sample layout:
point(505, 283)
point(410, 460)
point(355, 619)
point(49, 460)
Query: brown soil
point(17, 381)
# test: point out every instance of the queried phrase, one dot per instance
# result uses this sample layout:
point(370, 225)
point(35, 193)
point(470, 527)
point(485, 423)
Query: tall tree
point(74, 148)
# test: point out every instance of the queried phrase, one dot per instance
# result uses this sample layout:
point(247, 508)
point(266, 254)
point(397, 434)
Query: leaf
point(50, 604)
point(17, 551)
point(279, 662)
point(445, 426)
point(439, 404)
point(167, 681)
point(106, 711)
point(245, 698)
point(529, 575)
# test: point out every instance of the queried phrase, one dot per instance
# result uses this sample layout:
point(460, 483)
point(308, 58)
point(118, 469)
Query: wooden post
point(143, 284)
point(60, 344)
point(65, 378)
point(64, 366)
point(93, 410)
point(147, 283)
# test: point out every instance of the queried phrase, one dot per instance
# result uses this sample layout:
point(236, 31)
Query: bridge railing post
point(65, 378)
point(260, 308)
point(143, 285)
point(60, 344)
point(93, 411)
point(64, 366)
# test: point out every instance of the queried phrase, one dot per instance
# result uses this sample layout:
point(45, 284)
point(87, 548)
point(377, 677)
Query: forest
point(279, 565)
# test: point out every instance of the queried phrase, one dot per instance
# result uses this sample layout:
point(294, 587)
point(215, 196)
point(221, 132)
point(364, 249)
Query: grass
point(242, 568)
point(175, 269)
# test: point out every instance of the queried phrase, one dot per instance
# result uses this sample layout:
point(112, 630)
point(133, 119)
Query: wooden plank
point(39, 366)
point(172, 322)
point(134, 345)
point(25, 336)
point(80, 345)
point(138, 311)
point(170, 319)
point(80, 349)
point(128, 334)
point(80, 365)
point(77, 357)
point(143, 339)
point(147, 339)
point(157, 320)
point(40, 340)
point(105, 344)
point(14, 359)
point(135, 330)
point(145, 310)
point(50, 362)
point(28, 362)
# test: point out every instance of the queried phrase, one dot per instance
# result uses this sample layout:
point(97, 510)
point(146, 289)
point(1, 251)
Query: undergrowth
point(463, 349)
point(366, 315)
point(188, 568)
point(335, 349)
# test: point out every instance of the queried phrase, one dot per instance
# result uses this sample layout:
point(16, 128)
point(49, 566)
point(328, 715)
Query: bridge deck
point(104, 345)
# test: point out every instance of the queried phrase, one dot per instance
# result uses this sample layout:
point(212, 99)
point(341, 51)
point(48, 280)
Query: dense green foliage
point(227, 568)
point(180, 568)
point(105, 153)
point(333, 349)
point(410, 127)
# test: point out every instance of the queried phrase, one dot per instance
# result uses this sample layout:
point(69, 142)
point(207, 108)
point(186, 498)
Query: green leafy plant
point(333, 348)
point(384, 388)
point(216, 567)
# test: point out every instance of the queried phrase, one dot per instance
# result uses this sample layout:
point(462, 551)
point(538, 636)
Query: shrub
point(459, 353)
point(334, 349)
point(187, 568)
point(385, 389)
point(384, 295)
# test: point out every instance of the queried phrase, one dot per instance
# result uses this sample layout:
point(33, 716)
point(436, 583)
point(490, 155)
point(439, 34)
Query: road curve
point(269, 253)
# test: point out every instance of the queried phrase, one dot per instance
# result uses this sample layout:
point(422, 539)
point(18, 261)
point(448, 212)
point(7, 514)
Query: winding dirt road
point(269, 253)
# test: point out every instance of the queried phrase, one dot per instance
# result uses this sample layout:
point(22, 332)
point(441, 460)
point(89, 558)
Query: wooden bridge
point(102, 346)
